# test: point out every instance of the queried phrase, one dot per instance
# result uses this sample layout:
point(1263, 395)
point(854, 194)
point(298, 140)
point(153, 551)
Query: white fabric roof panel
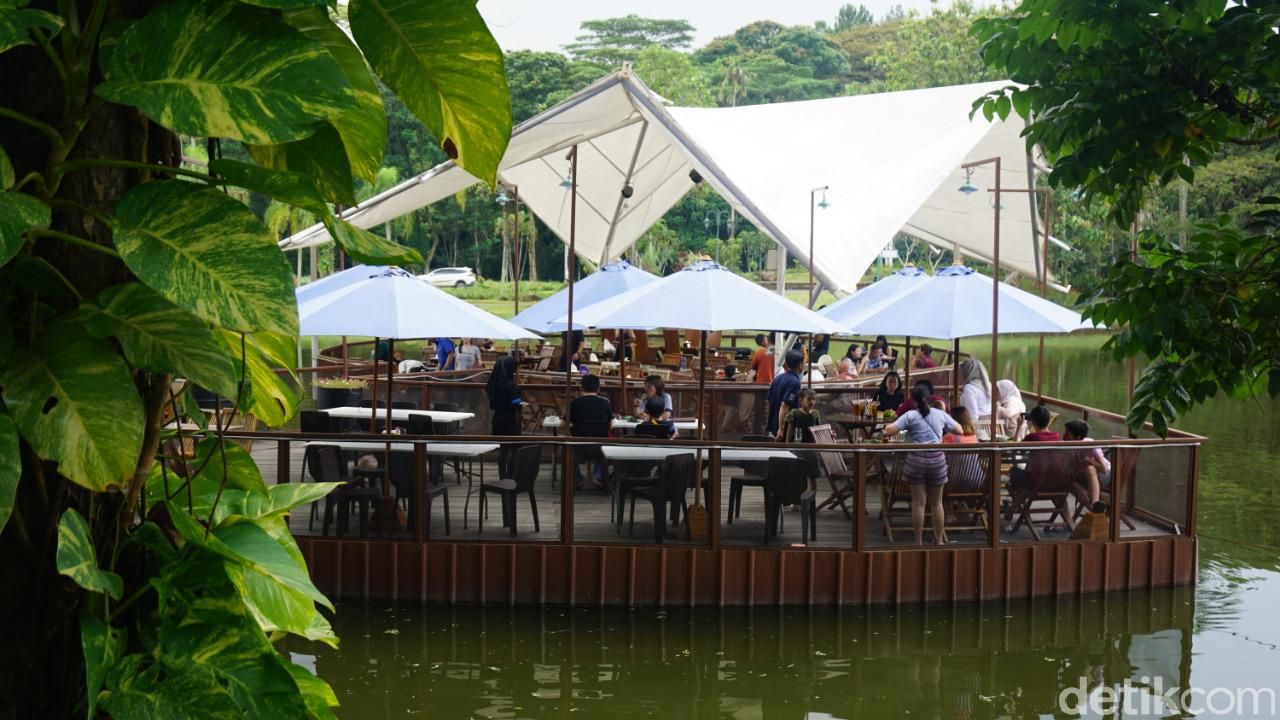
point(891, 161)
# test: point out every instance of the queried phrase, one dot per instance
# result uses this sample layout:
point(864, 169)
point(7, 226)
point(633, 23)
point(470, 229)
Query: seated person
point(968, 434)
point(655, 387)
point(934, 398)
point(851, 363)
point(654, 424)
point(886, 352)
point(889, 395)
point(730, 373)
point(1039, 419)
point(591, 415)
point(876, 360)
point(924, 357)
point(1091, 466)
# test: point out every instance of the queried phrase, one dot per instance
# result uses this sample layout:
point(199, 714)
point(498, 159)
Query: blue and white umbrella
point(609, 281)
point(956, 303)
point(854, 305)
point(704, 296)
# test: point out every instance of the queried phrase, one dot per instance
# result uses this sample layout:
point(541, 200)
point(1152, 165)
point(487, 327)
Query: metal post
point(995, 287)
point(516, 265)
point(572, 249)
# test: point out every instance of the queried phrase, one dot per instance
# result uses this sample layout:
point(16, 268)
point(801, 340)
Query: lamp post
point(812, 214)
point(706, 224)
point(969, 189)
point(1047, 196)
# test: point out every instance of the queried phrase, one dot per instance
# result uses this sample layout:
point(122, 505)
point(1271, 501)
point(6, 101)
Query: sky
point(548, 25)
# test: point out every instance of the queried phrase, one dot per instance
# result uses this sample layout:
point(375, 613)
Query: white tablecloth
point(401, 414)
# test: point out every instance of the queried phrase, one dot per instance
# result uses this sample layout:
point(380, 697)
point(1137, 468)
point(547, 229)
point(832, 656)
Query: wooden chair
point(895, 496)
point(962, 498)
point(843, 481)
point(1050, 478)
point(542, 401)
point(546, 354)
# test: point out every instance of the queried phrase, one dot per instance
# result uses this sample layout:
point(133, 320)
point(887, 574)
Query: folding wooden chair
point(843, 481)
point(1050, 482)
point(895, 496)
point(962, 497)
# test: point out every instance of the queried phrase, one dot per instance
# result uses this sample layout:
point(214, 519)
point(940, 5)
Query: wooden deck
point(593, 524)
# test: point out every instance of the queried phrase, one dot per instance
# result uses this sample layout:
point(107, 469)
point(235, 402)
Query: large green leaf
point(7, 178)
point(101, 645)
point(208, 254)
point(10, 467)
point(280, 350)
point(271, 399)
point(78, 560)
point(288, 187)
point(74, 402)
point(364, 129)
point(320, 157)
point(215, 68)
point(440, 59)
point(365, 247)
point(316, 692)
point(18, 214)
point(241, 472)
point(17, 23)
point(167, 689)
point(161, 337)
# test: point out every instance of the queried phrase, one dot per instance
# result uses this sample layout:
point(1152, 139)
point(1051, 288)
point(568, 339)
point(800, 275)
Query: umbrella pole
point(386, 457)
point(697, 515)
point(906, 368)
point(373, 394)
point(622, 368)
point(955, 373)
point(344, 357)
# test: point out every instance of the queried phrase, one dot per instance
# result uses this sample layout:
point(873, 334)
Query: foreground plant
point(146, 573)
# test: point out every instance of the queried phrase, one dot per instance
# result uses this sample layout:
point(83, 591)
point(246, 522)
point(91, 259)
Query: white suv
point(451, 277)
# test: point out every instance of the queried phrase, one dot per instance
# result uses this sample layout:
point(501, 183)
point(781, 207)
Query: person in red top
point(762, 361)
point(924, 357)
point(1039, 418)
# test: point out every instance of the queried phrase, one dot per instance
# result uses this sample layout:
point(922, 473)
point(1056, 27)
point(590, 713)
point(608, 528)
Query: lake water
point(1219, 640)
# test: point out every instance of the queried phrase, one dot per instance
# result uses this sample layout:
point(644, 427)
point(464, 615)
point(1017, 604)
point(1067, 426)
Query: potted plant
point(339, 392)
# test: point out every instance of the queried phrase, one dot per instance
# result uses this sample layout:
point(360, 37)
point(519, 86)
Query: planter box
point(338, 397)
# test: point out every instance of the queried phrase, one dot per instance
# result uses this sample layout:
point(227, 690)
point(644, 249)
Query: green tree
point(150, 581)
point(613, 41)
point(1124, 100)
point(533, 78)
point(849, 17)
point(932, 50)
point(674, 76)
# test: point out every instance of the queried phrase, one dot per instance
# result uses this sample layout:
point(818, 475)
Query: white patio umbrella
point(853, 305)
point(387, 302)
point(956, 303)
point(609, 281)
point(707, 297)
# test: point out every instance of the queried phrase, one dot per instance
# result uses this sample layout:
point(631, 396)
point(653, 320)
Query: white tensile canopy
point(891, 162)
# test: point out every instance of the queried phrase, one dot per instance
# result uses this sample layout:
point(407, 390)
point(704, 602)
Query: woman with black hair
point(925, 470)
point(504, 403)
point(886, 352)
point(890, 395)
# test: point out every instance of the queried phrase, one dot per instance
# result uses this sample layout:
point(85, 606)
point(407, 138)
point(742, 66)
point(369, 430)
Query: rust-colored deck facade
point(553, 574)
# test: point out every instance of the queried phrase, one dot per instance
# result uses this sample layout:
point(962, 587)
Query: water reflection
point(992, 661)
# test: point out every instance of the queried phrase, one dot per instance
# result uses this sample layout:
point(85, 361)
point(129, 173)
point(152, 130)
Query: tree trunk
point(533, 257)
point(506, 259)
point(40, 657)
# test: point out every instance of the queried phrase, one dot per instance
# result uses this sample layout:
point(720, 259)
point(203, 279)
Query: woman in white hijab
point(976, 389)
point(1011, 407)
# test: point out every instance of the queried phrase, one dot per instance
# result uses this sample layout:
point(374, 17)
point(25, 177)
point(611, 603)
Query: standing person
point(467, 356)
point(925, 470)
point(784, 393)
point(924, 357)
point(572, 348)
point(505, 404)
point(890, 395)
point(445, 355)
point(762, 360)
point(800, 420)
point(591, 415)
point(820, 346)
point(976, 392)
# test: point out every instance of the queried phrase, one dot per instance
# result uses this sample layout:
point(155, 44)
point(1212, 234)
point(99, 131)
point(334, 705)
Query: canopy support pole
point(315, 341)
point(780, 340)
point(995, 288)
point(622, 199)
point(570, 249)
point(515, 295)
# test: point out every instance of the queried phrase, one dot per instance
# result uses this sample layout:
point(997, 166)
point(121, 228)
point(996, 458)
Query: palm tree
point(734, 83)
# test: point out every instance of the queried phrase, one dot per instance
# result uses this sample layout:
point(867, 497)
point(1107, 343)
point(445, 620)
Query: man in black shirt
point(784, 392)
point(591, 415)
